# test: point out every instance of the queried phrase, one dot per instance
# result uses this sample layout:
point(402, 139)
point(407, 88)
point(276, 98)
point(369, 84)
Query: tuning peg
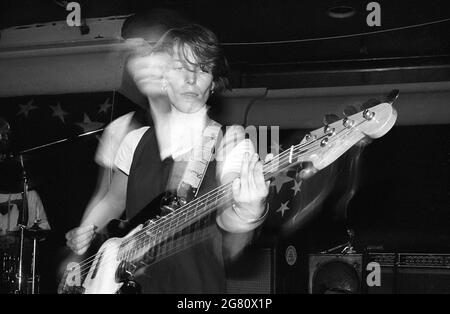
point(350, 110)
point(370, 103)
point(392, 96)
point(330, 118)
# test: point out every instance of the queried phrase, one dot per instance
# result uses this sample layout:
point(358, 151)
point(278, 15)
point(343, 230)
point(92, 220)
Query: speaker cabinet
point(334, 273)
point(407, 273)
point(387, 277)
point(267, 270)
point(423, 273)
point(252, 272)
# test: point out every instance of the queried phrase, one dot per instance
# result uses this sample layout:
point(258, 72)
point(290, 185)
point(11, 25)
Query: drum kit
point(19, 248)
point(18, 261)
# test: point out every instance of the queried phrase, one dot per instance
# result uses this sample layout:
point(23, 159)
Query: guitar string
point(127, 241)
point(206, 198)
point(179, 228)
point(180, 246)
point(182, 211)
point(83, 265)
point(175, 249)
point(280, 156)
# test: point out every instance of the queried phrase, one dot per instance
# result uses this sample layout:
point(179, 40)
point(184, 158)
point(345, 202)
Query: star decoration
point(280, 180)
point(87, 125)
point(105, 106)
point(283, 208)
point(296, 186)
point(58, 112)
point(25, 109)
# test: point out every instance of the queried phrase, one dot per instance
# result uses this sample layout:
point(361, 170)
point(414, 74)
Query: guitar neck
point(320, 148)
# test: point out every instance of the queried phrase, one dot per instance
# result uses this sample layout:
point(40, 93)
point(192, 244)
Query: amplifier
point(267, 270)
point(252, 273)
point(387, 279)
point(424, 260)
point(423, 273)
point(335, 273)
point(411, 273)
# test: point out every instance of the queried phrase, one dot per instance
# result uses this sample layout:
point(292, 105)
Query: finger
point(251, 171)
point(259, 178)
point(79, 246)
point(85, 228)
point(81, 251)
point(236, 188)
point(244, 173)
point(269, 157)
point(87, 236)
point(83, 243)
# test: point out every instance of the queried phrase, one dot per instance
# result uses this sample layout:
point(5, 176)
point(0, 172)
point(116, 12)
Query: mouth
point(190, 94)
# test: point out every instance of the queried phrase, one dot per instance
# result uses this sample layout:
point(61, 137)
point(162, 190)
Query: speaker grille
point(334, 273)
point(252, 274)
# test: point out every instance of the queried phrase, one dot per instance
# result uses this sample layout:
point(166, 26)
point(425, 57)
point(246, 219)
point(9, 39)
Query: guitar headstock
point(323, 146)
point(333, 140)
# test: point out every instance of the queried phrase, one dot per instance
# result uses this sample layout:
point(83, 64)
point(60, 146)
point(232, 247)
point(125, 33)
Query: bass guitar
point(111, 269)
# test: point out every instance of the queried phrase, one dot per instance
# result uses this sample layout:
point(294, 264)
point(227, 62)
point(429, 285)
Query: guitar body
point(101, 278)
point(107, 274)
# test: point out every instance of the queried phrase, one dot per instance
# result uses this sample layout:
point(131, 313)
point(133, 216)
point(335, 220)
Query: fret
point(174, 231)
point(216, 197)
point(162, 247)
point(170, 240)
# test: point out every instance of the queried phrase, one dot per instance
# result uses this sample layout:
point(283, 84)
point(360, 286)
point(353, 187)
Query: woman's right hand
point(79, 239)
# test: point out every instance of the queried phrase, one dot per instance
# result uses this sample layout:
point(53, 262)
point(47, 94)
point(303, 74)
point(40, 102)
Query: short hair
point(205, 47)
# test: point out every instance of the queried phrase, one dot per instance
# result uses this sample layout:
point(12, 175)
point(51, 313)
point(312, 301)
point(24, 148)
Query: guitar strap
point(198, 163)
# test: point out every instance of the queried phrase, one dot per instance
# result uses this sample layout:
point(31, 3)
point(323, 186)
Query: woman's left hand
point(250, 190)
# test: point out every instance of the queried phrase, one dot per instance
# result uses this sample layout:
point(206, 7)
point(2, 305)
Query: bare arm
point(111, 206)
point(103, 184)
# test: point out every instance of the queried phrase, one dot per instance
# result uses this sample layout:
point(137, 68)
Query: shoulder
point(119, 127)
point(124, 157)
point(111, 139)
point(121, 121)
point(133, 137)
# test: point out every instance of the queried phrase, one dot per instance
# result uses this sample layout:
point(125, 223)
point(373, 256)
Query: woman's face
point(187, 85)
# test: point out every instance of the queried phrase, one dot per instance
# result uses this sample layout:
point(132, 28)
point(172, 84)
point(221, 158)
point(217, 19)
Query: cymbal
point(9, 239)
point(36, 232)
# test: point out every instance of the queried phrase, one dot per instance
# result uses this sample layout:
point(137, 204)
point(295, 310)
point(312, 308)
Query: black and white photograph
point(224, 152)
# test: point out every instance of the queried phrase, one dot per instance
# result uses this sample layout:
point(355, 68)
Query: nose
point(191, 77)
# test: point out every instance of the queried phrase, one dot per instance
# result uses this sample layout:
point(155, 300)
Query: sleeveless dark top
point(198, 269)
